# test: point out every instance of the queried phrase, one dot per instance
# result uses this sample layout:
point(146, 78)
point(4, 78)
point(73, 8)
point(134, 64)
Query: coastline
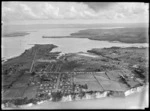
point(46, 103)
point(99, 103)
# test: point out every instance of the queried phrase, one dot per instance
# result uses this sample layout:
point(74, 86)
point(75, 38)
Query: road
point(58, 80)
point(33, 61)
point(58, 67)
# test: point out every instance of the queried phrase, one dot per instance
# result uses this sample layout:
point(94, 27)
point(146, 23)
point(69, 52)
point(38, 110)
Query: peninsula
point(39, 74)
point(125, 35)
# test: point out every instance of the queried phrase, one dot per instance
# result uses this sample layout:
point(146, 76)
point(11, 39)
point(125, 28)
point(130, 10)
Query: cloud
point(72, 10)
point(96, 6)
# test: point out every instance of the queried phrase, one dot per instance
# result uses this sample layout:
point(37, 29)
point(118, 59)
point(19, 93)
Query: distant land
point(24, 27)
point(15, 34)
point(125, 35)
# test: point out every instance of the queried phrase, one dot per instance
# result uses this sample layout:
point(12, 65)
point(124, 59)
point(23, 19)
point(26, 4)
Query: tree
point(5, 72)
point(33, 73)
point(86, 86)
point(123, 80)
point(139, 72)
point(81, 94)
point(56, 96)
point(91, 92)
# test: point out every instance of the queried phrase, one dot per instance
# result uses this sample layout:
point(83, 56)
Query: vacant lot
point(14, 93)
point(23, 81)
point(30, 92)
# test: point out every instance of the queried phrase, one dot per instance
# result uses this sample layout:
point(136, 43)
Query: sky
point(74, 12)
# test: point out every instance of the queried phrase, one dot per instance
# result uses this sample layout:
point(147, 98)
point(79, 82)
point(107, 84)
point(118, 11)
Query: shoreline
point(143, 45)
point(128, 93)
point(113, 41)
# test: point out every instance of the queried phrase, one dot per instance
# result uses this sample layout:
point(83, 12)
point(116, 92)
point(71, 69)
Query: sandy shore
point(87, 54)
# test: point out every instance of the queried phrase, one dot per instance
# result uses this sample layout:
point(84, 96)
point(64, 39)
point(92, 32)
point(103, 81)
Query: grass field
point(113, 75)
point(111, 85)
point(83, 77)
point(14, 93)
point(100, 82)
point(22, 82)
point(30, 92)
point(100, 75)
point(88, 78)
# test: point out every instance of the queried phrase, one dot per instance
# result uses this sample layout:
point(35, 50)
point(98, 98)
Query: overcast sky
point(74, 12)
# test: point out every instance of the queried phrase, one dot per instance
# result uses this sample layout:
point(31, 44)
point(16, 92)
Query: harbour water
point(14, 46)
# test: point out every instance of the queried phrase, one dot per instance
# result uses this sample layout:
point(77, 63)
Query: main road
point(33, 61)
point(58, 79)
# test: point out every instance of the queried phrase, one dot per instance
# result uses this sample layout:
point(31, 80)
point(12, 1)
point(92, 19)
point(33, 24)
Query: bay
point(14, 46)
